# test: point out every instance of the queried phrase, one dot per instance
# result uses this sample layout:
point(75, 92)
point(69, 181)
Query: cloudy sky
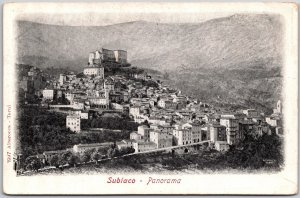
point(101, 14)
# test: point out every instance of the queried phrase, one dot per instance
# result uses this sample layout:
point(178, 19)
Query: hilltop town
point(109, 96)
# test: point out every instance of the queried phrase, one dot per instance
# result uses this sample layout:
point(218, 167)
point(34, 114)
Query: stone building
point(161, 139)
point(232, 126)
point(73, 123)
point(94, 70)
point(48, 94)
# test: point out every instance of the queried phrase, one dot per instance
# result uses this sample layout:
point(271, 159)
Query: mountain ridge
point(221, 42)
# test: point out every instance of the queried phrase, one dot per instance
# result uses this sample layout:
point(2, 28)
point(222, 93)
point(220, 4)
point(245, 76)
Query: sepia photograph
point(138, 97)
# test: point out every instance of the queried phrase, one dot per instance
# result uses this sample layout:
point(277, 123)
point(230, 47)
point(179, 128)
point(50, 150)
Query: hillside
point(235, 41)
point(232, 60)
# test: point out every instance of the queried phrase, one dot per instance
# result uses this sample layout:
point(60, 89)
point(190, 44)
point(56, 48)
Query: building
point(105, 55)
point(109, 85)
point(161, 139)
point(84, 115)
point(99, 102)
point(62, 79)
point(69, 96)
point(217, 133)
point(144, 146)
point(93, 70)
point(278, 109)
point(251, 113)
point(274, 120)
point(125, 144)
point(48, 94)
point(121, 56)
point(182, 136)
point(78, 104)
point(144, 131)
point(195, 127)
point(232, 126)
point(134, 111)
point(221, 146)
point(81, 148)
point(73, 123)
point(135, 136)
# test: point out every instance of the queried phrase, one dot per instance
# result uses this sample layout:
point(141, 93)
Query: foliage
point(86, 155)
point(110, 123)
point(40, 130)
point(96, 156)
point(98, 137)
point(253, 152)
point(33, 163)
point(54, 161)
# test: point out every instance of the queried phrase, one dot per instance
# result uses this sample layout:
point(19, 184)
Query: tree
point(73, 160)
point(86, 155)
point(96, 156)
point(33, 163)
point(54, 161)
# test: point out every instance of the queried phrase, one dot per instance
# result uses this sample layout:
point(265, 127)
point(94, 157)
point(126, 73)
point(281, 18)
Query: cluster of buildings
point(167, 117)
point(31, 81)
point(182, 121)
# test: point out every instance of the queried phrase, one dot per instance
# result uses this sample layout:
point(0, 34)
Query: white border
point(284, 182)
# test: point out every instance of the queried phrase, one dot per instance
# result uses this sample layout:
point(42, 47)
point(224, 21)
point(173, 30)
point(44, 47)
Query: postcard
point(150, 98)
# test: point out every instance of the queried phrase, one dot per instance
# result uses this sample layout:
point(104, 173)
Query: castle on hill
point(104, 58)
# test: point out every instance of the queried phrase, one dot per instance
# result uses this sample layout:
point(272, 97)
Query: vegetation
point(237, 89)
point(41, 130)
point(33, 163)
point(255, 152)
point(110, 123)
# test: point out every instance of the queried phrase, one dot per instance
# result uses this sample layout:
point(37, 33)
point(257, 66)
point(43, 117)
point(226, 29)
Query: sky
point(109, 13)
point(99, 19)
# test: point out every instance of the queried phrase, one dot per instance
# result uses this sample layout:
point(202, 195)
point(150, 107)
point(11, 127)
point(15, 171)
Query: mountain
point(231, 42)
point(234, 60)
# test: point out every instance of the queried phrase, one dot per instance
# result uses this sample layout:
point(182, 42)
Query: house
point(99, 102)
point(221, 146)
point(157, 120)
point(49, 94)
point(278, 109)
point(161, 139)
point(274, 120)
point(109, 85)
point(78, 104)
point(163, 128)
point(135, 136)
point(84, 115)
point(81, 148)
point(144, 131)
point(183, 136)
point(180, 99)
point(217, 133)
point(125, 144)
point(94, 70)
point(195, 127)
point(73, 123)
point(251, 112)
point(134, 111)
point(144, 146)
point(62, 79)
point(232, 126)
